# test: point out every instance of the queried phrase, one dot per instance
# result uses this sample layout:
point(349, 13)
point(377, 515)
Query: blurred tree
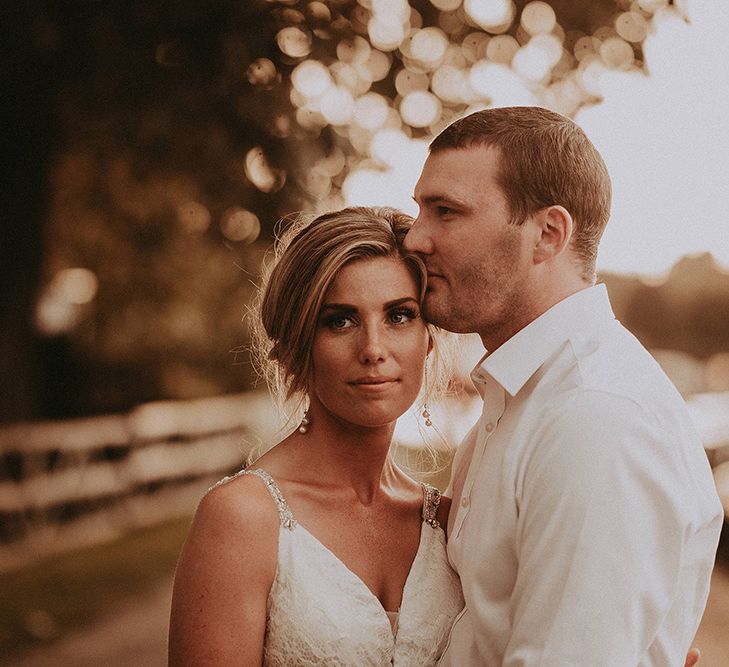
point(153, 140)
point(128, 153)
point(29, 73)
point(687, 311)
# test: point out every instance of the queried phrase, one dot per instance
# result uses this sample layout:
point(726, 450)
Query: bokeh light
point(501, 49)
point(311, 78)
point(499, 85)
point(631, 26)
point(261, 174)
point(492, 15)
point(77, 286)
point(356, 50)
point(616, 52)
point(333, 163)
point(428, 47)
point(60, 306)
point(652, 6)
point(420, 108)
point(385, 34)
point(337, 105)
point(318, 11)
point(407, 81)
point(535, 60)
point(474, 46)
point(450, 84)
point(538, 17)
point(194, 217)
point(446, 5)
point(371, 111)
point(376, 66)
point(294, 42)
point(240, 225)
point(262, 72)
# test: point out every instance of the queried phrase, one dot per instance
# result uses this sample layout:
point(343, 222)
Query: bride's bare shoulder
point(224, 575)
point(235, 529)
point(240, 502)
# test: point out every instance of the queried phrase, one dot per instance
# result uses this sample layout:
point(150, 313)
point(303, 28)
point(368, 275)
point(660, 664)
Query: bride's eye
point(338, 322)
point(402, 315)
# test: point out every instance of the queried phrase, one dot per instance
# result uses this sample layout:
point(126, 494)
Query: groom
point(584, 521)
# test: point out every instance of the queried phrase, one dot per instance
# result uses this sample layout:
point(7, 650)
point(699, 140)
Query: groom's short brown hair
point(546, 159)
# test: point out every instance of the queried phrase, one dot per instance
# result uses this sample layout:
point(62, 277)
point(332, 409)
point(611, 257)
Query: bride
point(324, 551)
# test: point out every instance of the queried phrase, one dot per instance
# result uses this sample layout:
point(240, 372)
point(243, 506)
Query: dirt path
point(137, 635)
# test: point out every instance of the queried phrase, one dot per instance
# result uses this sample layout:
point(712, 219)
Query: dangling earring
point(305, 421)
point(426, 413)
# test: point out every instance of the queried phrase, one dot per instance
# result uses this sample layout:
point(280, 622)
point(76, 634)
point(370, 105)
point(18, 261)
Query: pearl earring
point(304, 425)
point(426, 413)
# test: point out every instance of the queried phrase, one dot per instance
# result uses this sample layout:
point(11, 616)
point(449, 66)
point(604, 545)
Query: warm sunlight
point(663, 136)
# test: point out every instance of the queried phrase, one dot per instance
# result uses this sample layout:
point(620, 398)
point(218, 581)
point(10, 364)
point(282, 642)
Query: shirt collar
point(514, 362)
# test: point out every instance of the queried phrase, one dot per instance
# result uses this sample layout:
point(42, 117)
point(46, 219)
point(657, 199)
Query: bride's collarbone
point(379, 545)
point(343, 513)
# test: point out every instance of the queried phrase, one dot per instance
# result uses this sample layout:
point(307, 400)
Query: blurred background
point(151, 151)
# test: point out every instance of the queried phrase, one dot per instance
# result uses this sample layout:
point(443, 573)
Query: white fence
point(73, 483)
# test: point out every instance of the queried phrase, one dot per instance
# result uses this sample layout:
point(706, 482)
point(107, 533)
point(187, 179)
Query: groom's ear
point(553, 232)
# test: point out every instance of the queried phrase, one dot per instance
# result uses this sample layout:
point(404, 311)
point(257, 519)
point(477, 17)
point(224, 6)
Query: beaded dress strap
point(284, 513)
point(431, 502)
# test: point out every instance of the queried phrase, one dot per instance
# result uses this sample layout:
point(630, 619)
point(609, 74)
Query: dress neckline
point(431, 499)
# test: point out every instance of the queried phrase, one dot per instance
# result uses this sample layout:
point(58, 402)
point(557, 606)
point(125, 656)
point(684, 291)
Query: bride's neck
point(345, 454)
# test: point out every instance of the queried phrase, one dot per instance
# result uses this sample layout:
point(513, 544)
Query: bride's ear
point(430, 342)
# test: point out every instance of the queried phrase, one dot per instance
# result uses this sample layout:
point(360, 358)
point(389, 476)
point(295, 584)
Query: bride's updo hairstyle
point(306, 260)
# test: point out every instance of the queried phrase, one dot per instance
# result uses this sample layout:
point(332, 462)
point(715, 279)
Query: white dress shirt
point(585, 520)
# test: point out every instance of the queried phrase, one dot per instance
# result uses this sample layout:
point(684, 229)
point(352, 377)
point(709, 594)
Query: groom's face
point(478, 261)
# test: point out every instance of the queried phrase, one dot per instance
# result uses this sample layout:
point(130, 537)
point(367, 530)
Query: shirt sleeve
point(599, 535)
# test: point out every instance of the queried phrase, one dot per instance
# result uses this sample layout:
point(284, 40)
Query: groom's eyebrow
point(440, 199)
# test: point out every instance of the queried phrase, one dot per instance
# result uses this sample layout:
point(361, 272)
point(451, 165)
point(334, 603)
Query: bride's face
point(371, 343)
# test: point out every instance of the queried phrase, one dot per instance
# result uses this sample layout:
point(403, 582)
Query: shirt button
point(489, 427)
point(464, 502)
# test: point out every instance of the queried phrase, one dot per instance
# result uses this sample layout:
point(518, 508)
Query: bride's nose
point(371, 345)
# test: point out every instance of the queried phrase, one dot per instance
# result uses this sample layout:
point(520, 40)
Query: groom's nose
point(417, 239)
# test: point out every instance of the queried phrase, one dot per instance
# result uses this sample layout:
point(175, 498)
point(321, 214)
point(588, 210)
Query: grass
point(69, 591)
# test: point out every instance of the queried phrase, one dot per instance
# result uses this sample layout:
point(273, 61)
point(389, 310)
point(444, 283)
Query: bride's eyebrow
point(344, 307)
point(349, 308)
point(401, 301)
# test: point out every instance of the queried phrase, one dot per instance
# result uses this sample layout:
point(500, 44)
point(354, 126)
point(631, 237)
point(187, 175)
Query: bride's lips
point(374, 383)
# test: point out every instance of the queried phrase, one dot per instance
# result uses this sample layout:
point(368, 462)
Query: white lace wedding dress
point(321, 613)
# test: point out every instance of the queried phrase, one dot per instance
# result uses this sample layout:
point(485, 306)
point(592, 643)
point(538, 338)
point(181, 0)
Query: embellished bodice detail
point(320, 612)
